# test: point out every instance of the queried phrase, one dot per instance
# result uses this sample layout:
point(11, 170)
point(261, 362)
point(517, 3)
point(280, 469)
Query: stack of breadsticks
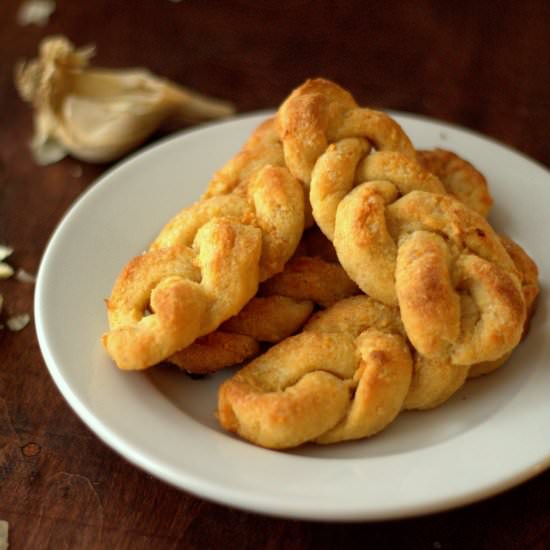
point(354, 276)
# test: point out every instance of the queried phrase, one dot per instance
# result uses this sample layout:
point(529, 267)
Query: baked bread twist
point(346, 376)
point(322, 386)
point(458, 290)
point(433, 380)
point(204, 266)
point(396, 233)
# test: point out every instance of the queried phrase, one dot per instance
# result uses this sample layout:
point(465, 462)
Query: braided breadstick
point(397, 235)
point(462, 180)
point(458, 289)
point(433, 380)
point(204, 266)
point(346, 376)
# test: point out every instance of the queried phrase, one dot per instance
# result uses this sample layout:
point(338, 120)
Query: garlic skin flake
point(24, 276)
point(18, 322)
point(99, 115)
point(35, 12)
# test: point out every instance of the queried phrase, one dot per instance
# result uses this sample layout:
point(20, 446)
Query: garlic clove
point(99, 115)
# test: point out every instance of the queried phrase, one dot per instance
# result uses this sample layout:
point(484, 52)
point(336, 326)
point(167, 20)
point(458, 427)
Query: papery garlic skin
point(15, 323)
point(98, 115)
point(35, 12)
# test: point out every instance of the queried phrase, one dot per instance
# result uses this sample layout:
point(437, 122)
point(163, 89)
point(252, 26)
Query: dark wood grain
point(484, 65)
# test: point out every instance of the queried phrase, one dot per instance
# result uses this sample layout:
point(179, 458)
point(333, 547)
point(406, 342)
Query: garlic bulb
point(95, 114)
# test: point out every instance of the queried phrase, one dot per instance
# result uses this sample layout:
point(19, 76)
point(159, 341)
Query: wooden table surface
point(483, 65)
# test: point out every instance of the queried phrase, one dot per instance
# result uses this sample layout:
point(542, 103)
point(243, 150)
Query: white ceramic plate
point(490, 436)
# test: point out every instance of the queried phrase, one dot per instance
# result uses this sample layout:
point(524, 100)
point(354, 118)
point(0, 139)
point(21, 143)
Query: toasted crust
point(215, 351)
point(274, 202)
point(262, 148)
point(311, 278)
point(270, 319)
point(475, 270)
point(433, 380)
point(425, 252)
point(460, 178)
point(528, 273)
point(320, 112)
